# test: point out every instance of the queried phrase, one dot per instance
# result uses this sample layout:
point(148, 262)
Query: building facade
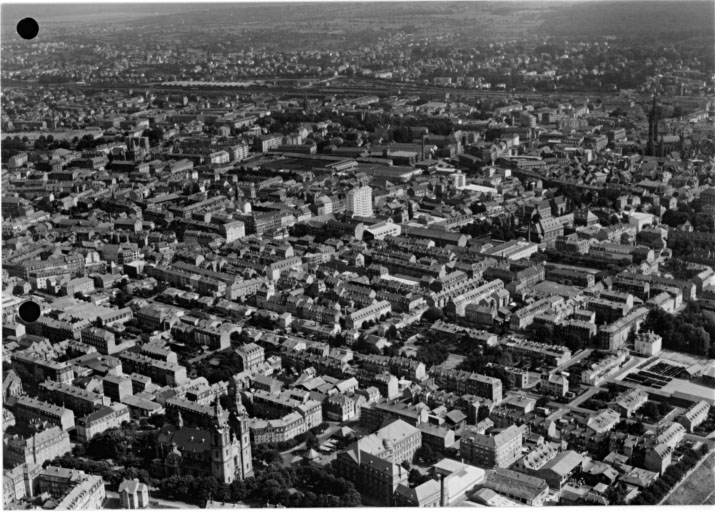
point(499, 450)
point(360, 201)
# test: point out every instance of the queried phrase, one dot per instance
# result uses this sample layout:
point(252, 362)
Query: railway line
point(362, 87)
point(321, 87)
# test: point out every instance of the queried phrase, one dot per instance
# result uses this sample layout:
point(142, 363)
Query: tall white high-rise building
point(360, 201)
point(458, 179)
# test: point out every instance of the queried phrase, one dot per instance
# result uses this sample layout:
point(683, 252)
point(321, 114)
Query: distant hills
point(497, 20)
point(630, 18)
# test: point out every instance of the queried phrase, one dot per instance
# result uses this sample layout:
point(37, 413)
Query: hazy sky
point(64, 13)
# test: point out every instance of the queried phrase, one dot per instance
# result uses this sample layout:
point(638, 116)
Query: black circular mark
point(29, 311)
point(28, 28)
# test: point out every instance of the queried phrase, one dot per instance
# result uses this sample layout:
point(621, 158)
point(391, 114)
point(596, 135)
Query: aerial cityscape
point(412, 254)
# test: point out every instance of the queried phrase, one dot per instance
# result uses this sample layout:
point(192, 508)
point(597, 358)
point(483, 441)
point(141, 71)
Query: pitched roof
point(388, 435)
point(131, 486)
point(564, 462)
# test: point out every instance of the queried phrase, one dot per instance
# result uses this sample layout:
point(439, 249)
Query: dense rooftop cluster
point(402, 299)
point(485, 47)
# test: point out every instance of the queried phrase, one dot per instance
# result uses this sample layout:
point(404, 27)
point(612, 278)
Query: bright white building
point(648, 344)
point(360, 201)
point(458, 179)
point(383, 229)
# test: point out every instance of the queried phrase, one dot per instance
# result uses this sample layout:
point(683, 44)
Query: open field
point(682, 358)
point(453, 361)
point(696, 489)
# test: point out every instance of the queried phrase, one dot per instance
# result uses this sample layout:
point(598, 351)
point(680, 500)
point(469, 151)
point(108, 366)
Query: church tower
point(306, 103)
point(242, 446)
point(652, 129)
point(222, 461)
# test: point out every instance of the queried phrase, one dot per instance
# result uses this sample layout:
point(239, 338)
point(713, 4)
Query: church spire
point(652, 128)
point(218, 413)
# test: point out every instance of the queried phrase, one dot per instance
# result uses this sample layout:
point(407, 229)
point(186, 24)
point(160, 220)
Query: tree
point(700, 341)
point(482, 413)
point(663, 408)
point(433, 314)
point(351, 498)
point(500, 373)
point(203, 488)
point(612, 390)
point(391, 350)
point(86, 142)
point(154, 134)
point(425, 455)
point(270, 490)
point(497, 233)
point(572, 342)
point(266, 454)
point(311, 441)
point(364, 347)
point(637, 428)
point(413, 476)
point(392, 332)
point(542, 334)
point(650, 410)
point(238, 490)
point(338, 340)
point(110, 444)
point(477, 208)
point(690, 331)
point(432, 353)
point(616, 494)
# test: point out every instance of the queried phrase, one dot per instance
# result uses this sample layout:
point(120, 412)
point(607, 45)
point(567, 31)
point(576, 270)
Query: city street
point(582, 354)
point(573, 405)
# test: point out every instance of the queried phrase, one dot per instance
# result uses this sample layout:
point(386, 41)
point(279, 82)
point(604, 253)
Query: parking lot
point(657, 375)
point(648, 379)
point(666, 370)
